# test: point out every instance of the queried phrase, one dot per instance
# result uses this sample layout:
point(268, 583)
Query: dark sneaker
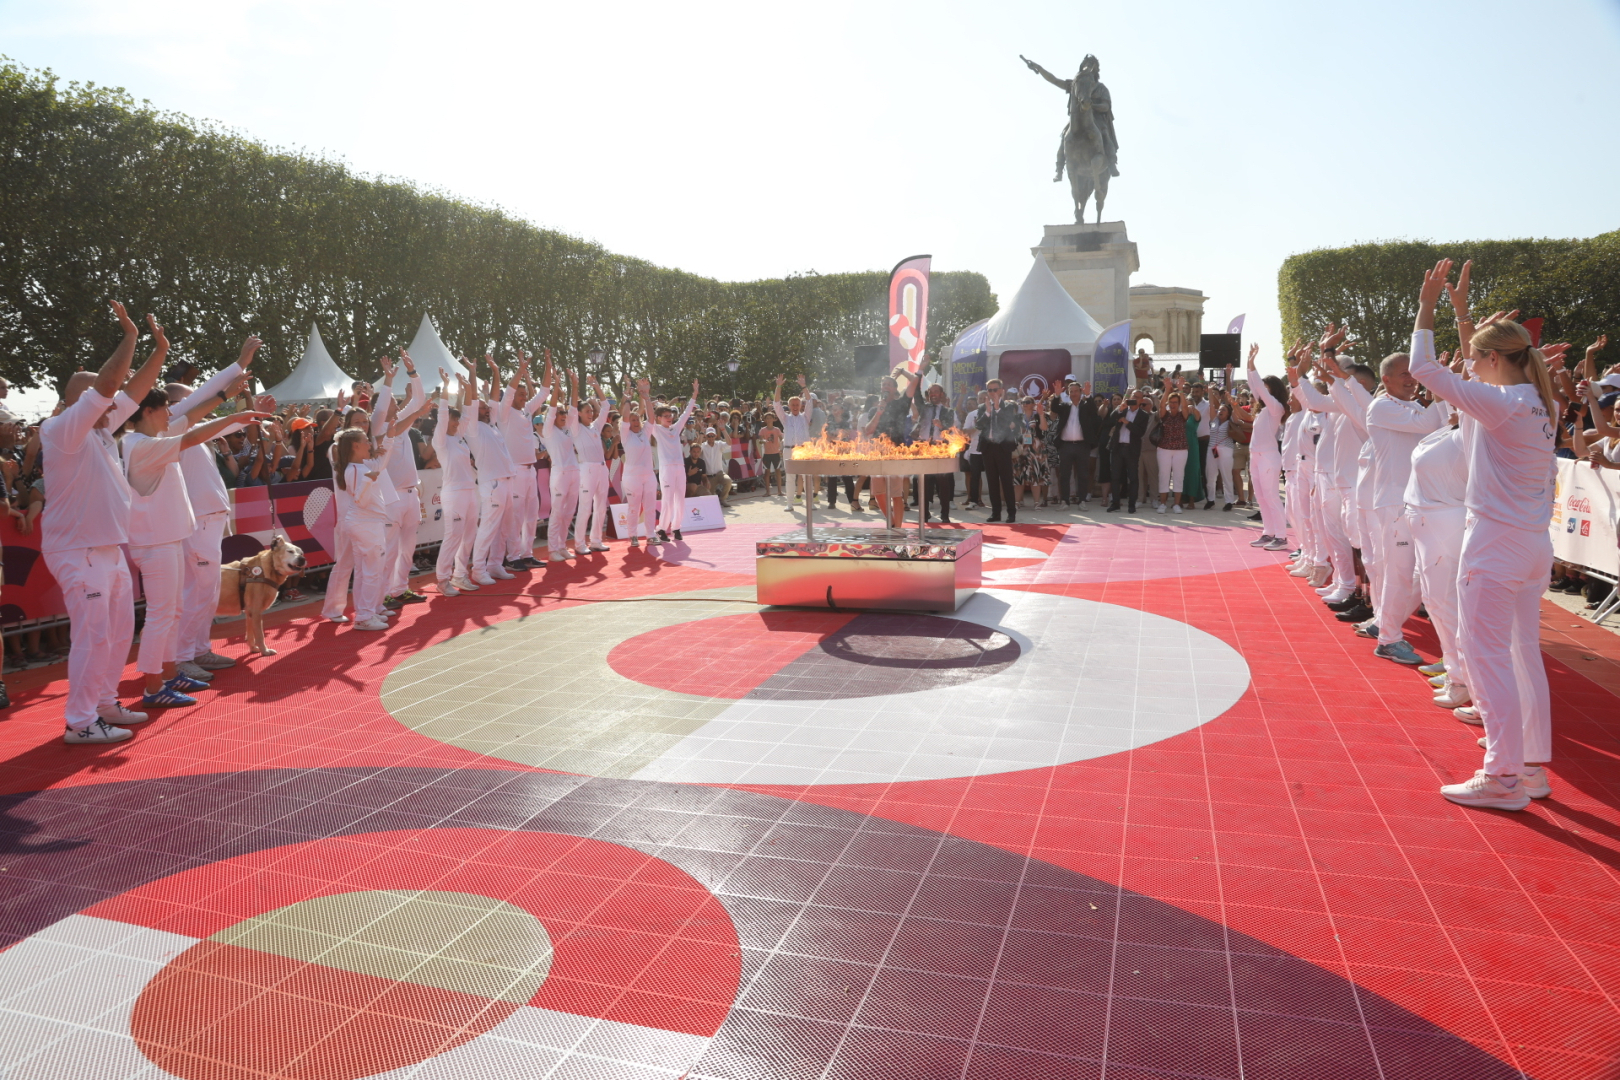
point(393, 602)
point(1400, 652)
point(167, 697)
point(186, 684)
point(678, 536)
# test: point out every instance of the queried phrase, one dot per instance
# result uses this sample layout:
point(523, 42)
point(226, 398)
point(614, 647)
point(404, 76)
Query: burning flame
point(821, 448)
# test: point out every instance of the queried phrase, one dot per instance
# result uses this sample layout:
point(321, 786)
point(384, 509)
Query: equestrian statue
point(1089, 150)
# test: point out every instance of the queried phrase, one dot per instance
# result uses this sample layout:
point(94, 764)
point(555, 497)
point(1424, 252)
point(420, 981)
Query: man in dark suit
point(1079, 423)
point(1126, 432)
point(1001, 430)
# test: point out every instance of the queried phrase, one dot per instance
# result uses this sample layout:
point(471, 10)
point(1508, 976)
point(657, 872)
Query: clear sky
point(753, 140)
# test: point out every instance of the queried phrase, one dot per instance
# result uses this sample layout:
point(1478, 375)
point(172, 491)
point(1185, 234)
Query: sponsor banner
point(1033, 371)
point(908, 311)
point(1111, 360)
point(1586, 508)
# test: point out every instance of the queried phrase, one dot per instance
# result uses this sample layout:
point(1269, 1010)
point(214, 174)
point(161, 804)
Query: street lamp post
point(732, 365)
point(597, 356)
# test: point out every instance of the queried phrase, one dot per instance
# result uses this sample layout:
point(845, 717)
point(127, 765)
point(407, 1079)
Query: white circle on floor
point(1093, 679)
point(1011, 551)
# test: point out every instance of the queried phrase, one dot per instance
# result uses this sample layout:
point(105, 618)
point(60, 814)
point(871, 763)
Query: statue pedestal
point(1094, 264)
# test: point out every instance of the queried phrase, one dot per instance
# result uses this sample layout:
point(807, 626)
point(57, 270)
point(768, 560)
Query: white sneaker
point(337, 618)
point(1302, 570)
point(117, 714)
point(463, 584)
point(1534, 782)
point(1469, 715)
point(371, 624)
point(192, 670)
point(482, 578)
point(447, 588)
point(599, 547)
point(556, 556)
point(1488, 791)
point(1175, 508)
point(1163, 509)
point(1337, 596)
point(502, 573)
point(98, 732)
point(1453, 697)
point(1320, 575)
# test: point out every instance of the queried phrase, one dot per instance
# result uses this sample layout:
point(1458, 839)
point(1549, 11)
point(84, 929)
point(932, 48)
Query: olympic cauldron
point(871, 569)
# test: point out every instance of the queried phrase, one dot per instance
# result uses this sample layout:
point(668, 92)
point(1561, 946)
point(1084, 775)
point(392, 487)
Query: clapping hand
point(124, 321)
point(159, 338)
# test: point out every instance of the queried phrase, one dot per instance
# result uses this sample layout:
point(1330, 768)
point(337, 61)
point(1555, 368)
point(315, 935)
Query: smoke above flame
point(951, 442)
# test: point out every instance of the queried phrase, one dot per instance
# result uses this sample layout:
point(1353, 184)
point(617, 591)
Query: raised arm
point(116, 369)
point(1259, 389)
point(385, 398)
point(214, 428)
point(1061, 84)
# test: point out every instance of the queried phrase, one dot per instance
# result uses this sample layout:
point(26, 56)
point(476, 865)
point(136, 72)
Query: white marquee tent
point(1041, 315)
point(317, 376)
point(431, 358)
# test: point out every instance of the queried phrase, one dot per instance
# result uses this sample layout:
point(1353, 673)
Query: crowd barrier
point(1586, 524)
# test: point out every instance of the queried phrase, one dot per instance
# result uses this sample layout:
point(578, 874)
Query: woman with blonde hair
point(366, 520)
point(1508, 406)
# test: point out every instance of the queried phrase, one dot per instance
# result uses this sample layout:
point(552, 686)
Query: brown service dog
point(249, 586)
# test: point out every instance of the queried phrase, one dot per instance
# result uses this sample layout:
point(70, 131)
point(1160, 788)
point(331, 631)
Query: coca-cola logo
point(1581, 503)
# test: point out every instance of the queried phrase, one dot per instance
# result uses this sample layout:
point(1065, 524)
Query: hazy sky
point(755, 140)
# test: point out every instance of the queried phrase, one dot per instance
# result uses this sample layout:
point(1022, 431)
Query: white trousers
point(1398, 592)
point(672, 492)
point(460, 517)
point(368, 547)
point(199, 593)
point(639, 506)
point(1172, 470)
point(1501, 576)
point(100, 599)
point(593, 502)
point(1437, 539)
point(400, 558)
point(337, 581)
point(1364, 538)
point(489, 542)
point(794, 483)
point(1335, 538)
point(1219, 465)
point(1265, 473)
point(162, 568)
point(564, 501)
point(524, 516)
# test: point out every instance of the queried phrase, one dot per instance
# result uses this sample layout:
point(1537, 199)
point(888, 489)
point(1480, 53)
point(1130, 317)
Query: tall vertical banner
point(1111, 360)
point(1235, 326)
point(908, 311)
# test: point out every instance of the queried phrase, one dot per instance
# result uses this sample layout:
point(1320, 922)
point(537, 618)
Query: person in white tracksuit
point(497, 476)
point(160, 522)
point(593, 472)
point(391, 428)
point(1508, 409)
point(342, 573)
point(637, 481)
point(557, 432)
point(211, 509)
point(1265, 458)
point(368, 517)
point(514, 419)
point(666, 437)
point(1334, 483)
point(1435, 515)
point(83, 528)
point(458, 495)
point(1396, 423)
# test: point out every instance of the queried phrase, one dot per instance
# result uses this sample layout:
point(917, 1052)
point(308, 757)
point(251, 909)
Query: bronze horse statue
point(1089, 151)
point(1086, 158)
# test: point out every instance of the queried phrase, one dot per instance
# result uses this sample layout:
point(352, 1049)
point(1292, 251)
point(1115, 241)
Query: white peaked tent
point(1042, 315)
point(431, 358)
point(317, 376)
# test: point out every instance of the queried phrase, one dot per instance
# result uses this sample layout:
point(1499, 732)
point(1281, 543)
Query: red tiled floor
point(1303, 821)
